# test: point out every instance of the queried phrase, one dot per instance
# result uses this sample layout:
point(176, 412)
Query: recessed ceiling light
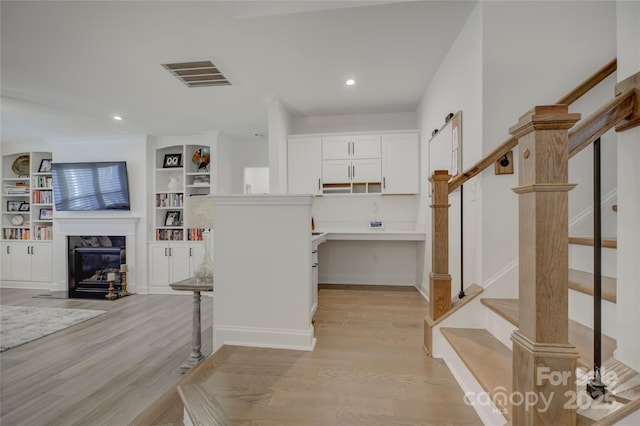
point(350, 82)
point(117, 117)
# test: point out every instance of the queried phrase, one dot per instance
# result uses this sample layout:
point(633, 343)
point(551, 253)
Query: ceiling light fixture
point(117, 117)
point(350, 82)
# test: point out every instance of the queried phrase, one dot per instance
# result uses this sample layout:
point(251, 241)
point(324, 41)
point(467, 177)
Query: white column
point(279, 128)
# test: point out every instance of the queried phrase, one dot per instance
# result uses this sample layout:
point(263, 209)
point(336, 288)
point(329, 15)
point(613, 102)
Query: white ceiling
point(67, 67)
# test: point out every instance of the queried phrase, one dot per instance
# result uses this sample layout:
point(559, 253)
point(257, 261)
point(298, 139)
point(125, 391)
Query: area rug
point(20, 324)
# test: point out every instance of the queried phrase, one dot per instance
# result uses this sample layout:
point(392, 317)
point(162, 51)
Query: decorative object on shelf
point(111, 277)
point(45, 166)
point(201, 180)
point(200, 211)
point(21, 165)
point(24, 207)
point(172, 218)
point(175, 183)
point(46, 214)
point(13, 206)
point(123, 284)
point(201, 158)
point(17, 220)
point(172, 160)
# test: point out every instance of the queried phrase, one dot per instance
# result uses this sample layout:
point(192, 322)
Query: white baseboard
point(276, 338)
point(27, 285)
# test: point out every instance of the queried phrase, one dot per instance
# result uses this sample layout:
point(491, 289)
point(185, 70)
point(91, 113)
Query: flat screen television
point(90, 186)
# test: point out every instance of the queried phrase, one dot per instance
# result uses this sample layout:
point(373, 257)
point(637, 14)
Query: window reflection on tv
point(90, 186)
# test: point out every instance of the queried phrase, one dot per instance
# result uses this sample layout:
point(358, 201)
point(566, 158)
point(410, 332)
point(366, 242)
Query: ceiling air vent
point(198, 74)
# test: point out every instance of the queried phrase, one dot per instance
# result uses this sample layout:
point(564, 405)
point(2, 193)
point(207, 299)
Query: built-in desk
point(363, 256)
point(374, 235)
point(191, 284)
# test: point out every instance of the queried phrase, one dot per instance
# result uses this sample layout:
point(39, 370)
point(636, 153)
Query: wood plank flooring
point(103, 371)
point(368, 367)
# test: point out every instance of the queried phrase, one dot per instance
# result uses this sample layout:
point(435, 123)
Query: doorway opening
point(256, 180)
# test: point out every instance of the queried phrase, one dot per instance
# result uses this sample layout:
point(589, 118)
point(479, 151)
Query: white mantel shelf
point(96, 225)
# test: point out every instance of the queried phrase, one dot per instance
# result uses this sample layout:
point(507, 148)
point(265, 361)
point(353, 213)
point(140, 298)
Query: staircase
point(528, 360)
point(484, 355)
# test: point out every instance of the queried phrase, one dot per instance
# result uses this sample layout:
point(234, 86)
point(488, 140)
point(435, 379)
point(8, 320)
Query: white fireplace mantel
point(96, 225)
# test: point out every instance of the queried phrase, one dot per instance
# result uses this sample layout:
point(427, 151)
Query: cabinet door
point(158, 264)
point(365, 146)
point(366, 171)
point(42, 262)
point(304, 165)
point(336, 147)
point(21, 261)
point(180, 264)
point(196, 254)
point(336, 171)
point(400, 164)
point(5, 262)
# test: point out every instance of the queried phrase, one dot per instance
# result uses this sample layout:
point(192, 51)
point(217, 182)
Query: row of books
point(43, 197)
point(18, 188)
point(44, 232)
point(169, 234)
point(194, 234)
point(16, 233)
point(43, 182)
point(170, 200)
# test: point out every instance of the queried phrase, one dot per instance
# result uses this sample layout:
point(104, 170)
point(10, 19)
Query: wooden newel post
point(439, 278)
point(544, 362)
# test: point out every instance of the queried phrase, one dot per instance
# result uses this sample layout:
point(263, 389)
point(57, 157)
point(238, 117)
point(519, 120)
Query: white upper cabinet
point(387, 163)
point(400, 164)
point(304, 165)
point(346, 147)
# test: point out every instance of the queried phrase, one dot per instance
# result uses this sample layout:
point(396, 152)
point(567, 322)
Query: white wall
point(262, 253)
point(628, 19)
point(354, 123)
point(457, 86)
point(533, 54)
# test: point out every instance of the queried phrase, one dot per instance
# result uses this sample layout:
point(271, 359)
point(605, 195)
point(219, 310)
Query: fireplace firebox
point(91, 259)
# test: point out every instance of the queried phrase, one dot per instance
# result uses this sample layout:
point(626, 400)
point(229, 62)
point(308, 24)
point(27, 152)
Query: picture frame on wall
point(172, 218)
point(172, 160)
point(46, 214)
point(45, 166)
point(13, 206)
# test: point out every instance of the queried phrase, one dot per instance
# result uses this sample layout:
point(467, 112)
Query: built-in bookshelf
point(181, 172)
point(27, 196)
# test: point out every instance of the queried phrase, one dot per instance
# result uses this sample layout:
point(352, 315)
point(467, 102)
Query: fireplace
point(91, 259)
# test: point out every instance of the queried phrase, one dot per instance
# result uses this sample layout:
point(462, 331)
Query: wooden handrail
point(601, 121)
point(511, 143)
point(588, 84)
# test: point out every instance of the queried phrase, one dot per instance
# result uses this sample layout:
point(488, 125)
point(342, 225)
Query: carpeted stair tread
point(486, 358)
point(579, 335)
point(583, 282)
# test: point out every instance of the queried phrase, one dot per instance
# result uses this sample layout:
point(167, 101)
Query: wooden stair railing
point(621, 112)
point(511, 143)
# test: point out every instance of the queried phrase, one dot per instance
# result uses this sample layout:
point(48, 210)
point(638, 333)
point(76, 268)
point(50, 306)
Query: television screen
point(90, 186)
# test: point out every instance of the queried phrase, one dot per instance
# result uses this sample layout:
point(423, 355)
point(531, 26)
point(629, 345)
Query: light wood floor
point(368, 367)
point(103, 371)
